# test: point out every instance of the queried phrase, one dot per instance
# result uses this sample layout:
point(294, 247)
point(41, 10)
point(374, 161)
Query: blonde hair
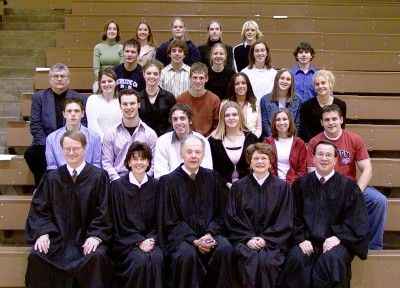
point(328, 75)
point(220, 132)
point(251, 24)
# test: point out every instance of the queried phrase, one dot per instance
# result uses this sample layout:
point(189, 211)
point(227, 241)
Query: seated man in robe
point(353, 155)
point(167, 156)
point(192, 222)
point(69, 223)
point(330, 226)
point(73, 113)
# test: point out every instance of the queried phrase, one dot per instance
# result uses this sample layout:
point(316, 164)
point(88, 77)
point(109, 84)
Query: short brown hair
point(262, 148)
point(127, 92)
point(105, 28)
point(331, 108)
point(74, 135)
point(181, 107)
point(292, 127)
point(326, 142)
point(199, 68)
point(305, 46)
point(176, 43)
point(143, 151)
point(72, 100)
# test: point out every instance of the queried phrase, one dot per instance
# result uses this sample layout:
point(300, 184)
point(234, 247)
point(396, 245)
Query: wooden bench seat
point(371, 107)
point(18, 133)
point(325, 59)
point(13, 262)
point(385, 172)
point(235, 22)
point(263, 8)
point(378, 137)
point(379, 270)
point(347, 81)
point(15, 172)
point(69, 38)
point(14, 211)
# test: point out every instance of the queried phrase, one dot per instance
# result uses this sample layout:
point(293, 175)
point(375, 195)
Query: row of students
point(276, 238)
point(255, 62)
point(227, 145)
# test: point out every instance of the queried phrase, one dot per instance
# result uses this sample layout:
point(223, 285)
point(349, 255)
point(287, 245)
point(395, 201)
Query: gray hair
point(192, 136)
point(59, 67)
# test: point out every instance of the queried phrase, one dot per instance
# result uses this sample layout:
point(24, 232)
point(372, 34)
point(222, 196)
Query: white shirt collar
point(132, 179)
point(187, 171)
point(262, 180)
point(78, 169)
point(327, 177)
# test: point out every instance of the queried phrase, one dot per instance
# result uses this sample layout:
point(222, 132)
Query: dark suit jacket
point(43, 116)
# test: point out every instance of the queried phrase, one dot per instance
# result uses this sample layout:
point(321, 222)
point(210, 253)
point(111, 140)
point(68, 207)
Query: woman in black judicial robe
point(136, 254)
point(260, 220)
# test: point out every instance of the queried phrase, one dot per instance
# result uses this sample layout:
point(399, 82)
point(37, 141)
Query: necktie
point(74, 175)
point(322, 180)
point(193, 176)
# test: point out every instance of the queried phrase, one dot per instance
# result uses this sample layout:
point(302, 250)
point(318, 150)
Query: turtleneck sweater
point(107, 53)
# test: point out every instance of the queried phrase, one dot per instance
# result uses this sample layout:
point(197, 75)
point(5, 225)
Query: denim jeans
point(377, 207)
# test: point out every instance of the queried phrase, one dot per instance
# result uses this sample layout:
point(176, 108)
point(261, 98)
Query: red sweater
point(205, 111)
point(297, 159)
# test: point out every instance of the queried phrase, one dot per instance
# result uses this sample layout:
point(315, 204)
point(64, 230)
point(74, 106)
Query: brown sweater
point(205, 111)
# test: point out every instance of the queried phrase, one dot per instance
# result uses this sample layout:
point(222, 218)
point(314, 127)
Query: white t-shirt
point(283, 147)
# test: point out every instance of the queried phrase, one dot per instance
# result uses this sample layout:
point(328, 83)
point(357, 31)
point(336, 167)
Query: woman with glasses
point(260, 217)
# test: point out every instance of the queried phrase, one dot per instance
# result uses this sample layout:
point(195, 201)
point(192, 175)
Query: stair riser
point(14, 42)
point(22, 62)
point(31, 26)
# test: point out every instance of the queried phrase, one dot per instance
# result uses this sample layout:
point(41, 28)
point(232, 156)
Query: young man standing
point(130, 73)
point(167, 156)
point(73, 113)
point(175, 76)
point(303, 72)
point(352, 154)
point(117, 139)
point(204, 104)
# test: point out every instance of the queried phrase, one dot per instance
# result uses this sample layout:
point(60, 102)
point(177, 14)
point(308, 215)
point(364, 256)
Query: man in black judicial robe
point(192, 222)
point(261, 209)
point(330, 226)
point(69, 224)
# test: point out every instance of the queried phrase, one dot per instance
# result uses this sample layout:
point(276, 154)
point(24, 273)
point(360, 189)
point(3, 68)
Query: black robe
point(134, 217)
point(189, 209)
point(70, 213)
point(264, 211)
point(336, 208)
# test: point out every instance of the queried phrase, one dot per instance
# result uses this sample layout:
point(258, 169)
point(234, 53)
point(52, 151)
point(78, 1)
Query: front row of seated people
point(275, 237)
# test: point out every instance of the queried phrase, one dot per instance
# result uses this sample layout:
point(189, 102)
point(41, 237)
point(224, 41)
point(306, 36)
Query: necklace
point(152, 95)
point(323, 103)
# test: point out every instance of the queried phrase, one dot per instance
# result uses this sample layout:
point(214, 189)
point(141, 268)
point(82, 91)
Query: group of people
point(217, 162)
